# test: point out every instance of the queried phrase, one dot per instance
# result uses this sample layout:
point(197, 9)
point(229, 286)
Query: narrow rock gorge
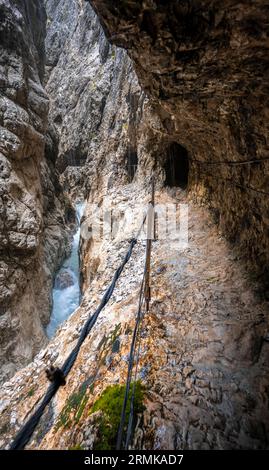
point(97, 98)
point(34, 213)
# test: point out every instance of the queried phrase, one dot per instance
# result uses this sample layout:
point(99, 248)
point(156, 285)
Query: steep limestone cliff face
point(108, 132)
point(32, 226)
point(96, 104)
point(204, 64)
point(80, 65)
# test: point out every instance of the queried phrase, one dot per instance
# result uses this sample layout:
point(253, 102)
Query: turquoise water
point(67, 299)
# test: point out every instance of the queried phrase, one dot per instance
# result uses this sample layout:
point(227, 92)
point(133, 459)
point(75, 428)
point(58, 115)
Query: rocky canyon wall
point(203, 64)
point(96, 102)
point(33, 237)
point(80, 68)
point(104, 122)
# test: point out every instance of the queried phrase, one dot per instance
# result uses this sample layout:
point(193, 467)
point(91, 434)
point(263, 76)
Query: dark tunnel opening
point(176, 166)
point(132, 162)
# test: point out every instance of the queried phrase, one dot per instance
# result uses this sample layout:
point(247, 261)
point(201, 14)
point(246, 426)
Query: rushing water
point(66, 291)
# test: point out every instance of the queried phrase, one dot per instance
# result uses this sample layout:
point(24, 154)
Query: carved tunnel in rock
point(131, 162)
point(176, 166)
point(74, 158)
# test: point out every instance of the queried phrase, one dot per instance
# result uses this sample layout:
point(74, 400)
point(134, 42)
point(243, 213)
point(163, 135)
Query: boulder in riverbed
point(63, 280)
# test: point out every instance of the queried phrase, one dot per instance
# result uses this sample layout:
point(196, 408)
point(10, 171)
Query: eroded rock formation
point(204, 65)
point(32, 225)
point(96, 103)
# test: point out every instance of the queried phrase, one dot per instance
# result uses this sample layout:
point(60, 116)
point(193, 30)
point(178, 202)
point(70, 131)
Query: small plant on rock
point(110, 403)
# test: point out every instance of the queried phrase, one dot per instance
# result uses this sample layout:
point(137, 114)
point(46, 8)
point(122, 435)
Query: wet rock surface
point(63, 280)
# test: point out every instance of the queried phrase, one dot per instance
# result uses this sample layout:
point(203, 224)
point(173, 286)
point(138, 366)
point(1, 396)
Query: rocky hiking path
point(203, 360)
point(210, 389)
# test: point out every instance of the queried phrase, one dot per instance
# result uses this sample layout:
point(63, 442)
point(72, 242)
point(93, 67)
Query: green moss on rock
point(72, 411)
point(76, 447)
point(110, 404)
point(31, 392)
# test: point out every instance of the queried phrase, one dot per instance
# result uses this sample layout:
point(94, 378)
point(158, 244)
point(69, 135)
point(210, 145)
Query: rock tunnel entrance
point(176, 166)
point(132, 162)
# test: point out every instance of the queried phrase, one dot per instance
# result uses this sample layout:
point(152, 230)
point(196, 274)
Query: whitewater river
point(66, 291)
